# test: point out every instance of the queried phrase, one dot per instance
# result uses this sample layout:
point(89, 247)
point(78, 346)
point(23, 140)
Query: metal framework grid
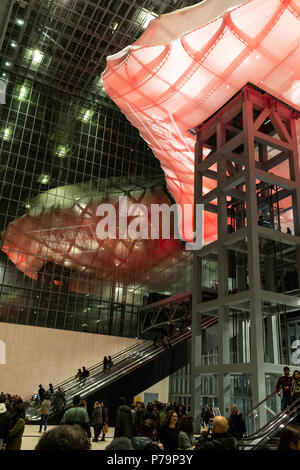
point(243, 136)
point(57, 102)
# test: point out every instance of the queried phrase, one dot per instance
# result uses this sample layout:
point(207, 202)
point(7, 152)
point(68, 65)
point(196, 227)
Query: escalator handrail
point(151, 352)
point(115, 358)
point(259, 403)
point(277, 417)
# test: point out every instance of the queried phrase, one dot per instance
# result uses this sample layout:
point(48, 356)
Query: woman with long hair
point(186, 439)
point(168, 432)
point(289, 438)
point(295, 390)
point(236, 423)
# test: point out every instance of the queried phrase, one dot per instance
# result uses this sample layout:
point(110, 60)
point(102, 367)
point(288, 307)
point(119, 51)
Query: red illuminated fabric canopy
point(188, 63)
point(61, 228)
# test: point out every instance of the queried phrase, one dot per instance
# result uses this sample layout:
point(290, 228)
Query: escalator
point(142, 365)
point(134, 370)
point(264, 424)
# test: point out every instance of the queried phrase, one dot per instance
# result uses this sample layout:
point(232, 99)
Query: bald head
point(220, 425)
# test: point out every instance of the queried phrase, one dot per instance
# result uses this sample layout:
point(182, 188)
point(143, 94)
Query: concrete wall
point(35, 355)
point(162, 388)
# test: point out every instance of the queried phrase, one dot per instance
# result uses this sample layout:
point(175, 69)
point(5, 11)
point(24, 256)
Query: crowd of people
point(290, 387)
point(156, 426)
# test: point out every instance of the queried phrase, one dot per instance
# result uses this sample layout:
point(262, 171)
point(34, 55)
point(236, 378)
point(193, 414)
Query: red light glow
point(189, 63)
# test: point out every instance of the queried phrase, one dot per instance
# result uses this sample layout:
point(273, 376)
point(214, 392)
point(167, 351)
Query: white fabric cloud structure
point(188, 63)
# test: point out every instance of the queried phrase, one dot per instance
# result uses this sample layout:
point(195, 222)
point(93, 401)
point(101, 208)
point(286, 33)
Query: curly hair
point(186, 424)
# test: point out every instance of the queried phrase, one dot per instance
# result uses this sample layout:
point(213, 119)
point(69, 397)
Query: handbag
point(105, 428)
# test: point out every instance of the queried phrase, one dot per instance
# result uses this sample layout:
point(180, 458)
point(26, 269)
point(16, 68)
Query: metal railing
point(123, 363)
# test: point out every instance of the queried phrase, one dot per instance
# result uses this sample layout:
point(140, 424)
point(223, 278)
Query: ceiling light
point(37, 57)
point(24, 91)
point(4, 74)
point(44, 179)
point(27, 206)
point(19, 21)
point(7, 63)
point(13, 44)
point(114, 26)
point(7, 134)
point(61, 151)
point(86, 115)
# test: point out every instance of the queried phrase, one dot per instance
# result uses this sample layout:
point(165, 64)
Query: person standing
point(104, 419)
point(168, 432)
point(105, 364)
point(219, 438)
point(44, 412)
point(110, 362)
point(207, 415)
point(186, 439)
point(41, 393)
point(285, 383)
point(5, 422)
point(85, 374)
point(295, 389)
point(124, 420)
point(58, 400)
point(97, 420)
point(50, 390)
point(79, 375)
point(237, 427)
point(77, 415)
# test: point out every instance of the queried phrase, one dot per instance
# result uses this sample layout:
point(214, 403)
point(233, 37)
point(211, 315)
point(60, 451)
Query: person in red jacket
point(285, 383)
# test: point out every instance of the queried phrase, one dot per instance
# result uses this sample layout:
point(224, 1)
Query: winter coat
point(237, 427)
point(186, 441)
point(58, 400)
point(45, 407)
point(168, 437)
point(295, 390)
point(144, 443)
point(216, 441)
point(96, 416)
point(5, 422)
point(124, 422)
point(284, 382)
point(14, 440)
point(77, 415)
point(105, 415)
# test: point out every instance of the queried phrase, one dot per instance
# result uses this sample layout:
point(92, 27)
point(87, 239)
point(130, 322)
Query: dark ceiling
point(64, 43)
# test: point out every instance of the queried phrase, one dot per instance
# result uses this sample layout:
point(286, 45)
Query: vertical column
point(197, 297)
point(295, 175)
point(257, 349)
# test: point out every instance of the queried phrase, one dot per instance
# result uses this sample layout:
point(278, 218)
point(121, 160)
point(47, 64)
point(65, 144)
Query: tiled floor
point(31, 437)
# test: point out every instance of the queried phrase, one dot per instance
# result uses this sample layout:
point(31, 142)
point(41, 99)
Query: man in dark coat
point(124, 420)
point(41, 393)
point(5, 421)
point(219, 439)
point(58, 400)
